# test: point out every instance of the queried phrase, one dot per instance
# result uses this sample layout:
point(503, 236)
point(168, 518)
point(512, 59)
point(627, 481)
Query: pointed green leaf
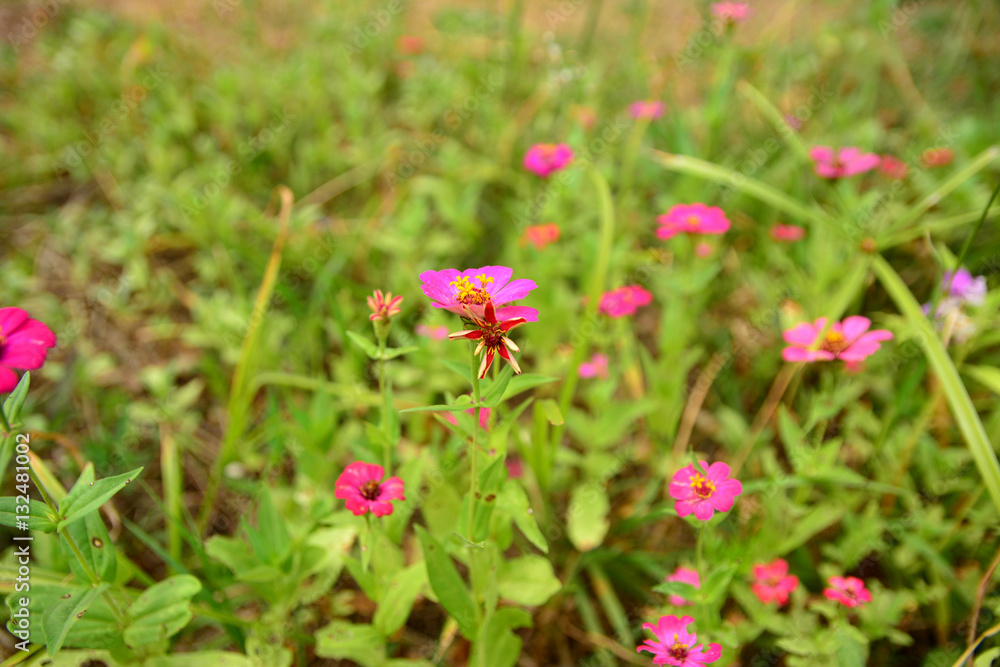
point(448, 585)
point(12, 404)
point(496, 645)
point(528, 580)
point(79, 503)
point(397, 600)
point(37, 516)
point(341, 640)
point(587, 518)
point(92, 539)
point(496, 391)
point(368, 347)
point(58, 619)
point(161, 611)
point(514, 501)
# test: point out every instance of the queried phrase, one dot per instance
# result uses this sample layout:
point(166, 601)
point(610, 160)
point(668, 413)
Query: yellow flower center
point(702, 486)
point(469, 293)
point(678, 650)
point(693, 220)
point(834, 341)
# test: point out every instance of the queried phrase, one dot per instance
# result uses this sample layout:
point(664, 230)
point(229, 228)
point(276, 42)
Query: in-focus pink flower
point(733, 12)
point(24, 344)
point(541, 236)
point(437, 333)
point(676, 646)
point(362, 487)
point(685, 575)
point(937, 157)
point(892, 167)
point(849, 341)
point(693, 219)
point(845, 162)
point(383, 307)
point(787, 233)
point(848, 591)
point(704, 492)
point(596, 367)
point(544, 159)
point(624, 301)
point(492, 336)
point(648, 109)
point(466, 293)
point(772, 583)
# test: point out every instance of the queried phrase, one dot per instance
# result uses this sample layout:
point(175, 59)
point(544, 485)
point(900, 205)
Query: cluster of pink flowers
point(675, 645)
point(624, 301)
point(24, 344)
point(545, 159)
point(849, 340)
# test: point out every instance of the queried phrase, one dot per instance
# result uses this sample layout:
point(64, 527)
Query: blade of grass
point(776, 118)
point(958, 398)
point(612, 605)
point(932, 226)
point(172, 488)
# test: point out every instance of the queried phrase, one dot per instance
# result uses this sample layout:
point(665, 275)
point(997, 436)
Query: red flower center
point(835, 342)
point(773, 581)
point(678, 650)
point(370, 490)
point(702, 486)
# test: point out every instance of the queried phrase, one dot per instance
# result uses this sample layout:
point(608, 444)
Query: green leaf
point(272, 530)
point(448, 585)
point(341, 640)
point(202, 659)
point(368, 347)
point(496, 645)
point(161, 611)
point(988, 376)
point(514, 501)
point(97, 629)
point(496, 391)
point(986, 659)
point(393, 352)
point(490, 483)
point(713, 588)
point(524, 382)
point(397, 601)
point(587, 518)
point(852, 647)
point(37, 517)
point(528, 580)
point(15, 401)
point(812, 523)
point(58, 619)
point(233, 553)
point(92, 539)
point(552, 411)
point(959, 402)
point(91, 495)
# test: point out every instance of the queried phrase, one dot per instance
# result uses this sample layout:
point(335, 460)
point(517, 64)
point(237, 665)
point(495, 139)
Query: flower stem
point(700, 552)
point(777, 390)
point(384, 421)
point(474, 446)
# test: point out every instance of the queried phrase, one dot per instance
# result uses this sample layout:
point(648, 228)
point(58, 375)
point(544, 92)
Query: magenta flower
point(892, 167)
point(361, 486)
point(675, 645)
point(484, 417)
point(596, 367)
point(684, 575)
point(647, 109)
point(964, 287)
point(492, 336)
point(466, 293)
point(383, 307)
point(436, 333)
point(624, 300)
point(787, 233)
point(733, 12)
point(24, 344)
point(693, 219)
point(848, 591)
point(704, 493)
point(772, 583)
point(544, 159)
point(845, 162)
point(849, 340)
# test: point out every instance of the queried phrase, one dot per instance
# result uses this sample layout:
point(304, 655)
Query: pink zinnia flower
point(541, 236)
point(24, 344)
point(772, 583)
point(361, 486)
point(383, 307)
point(845, 162)
point(693, 219)
point(787, 233)
point(466, 293)
point(437, 333)
point(685, 575)
point(733, 12)
point(849, 340)
point(596, 367)
point(492, 336)
point(624, 300)
point(848, 591)
point(892, 167)
point(648, 109)
point(676, 646)
point(937, 157)
point(544, 159)
point(704, 493)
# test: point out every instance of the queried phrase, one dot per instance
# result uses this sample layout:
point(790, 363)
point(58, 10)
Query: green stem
point(700, 552)
point(474, 446)
point(3, 422)
point(384, 417)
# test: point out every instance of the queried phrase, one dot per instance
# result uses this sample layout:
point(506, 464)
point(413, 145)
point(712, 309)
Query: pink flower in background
point(704, 492)
point(892, 167)
point(515, 467)
point(585, 116)
point(703, 250)
point(544, 159)
point(937, 157)
point(466, 293)
point(437, 333)
point(541, 236)
point(596, 367)
point(648, 109)
point(362, 487)
point(964, 286)
point(845, 162)
point(849, 341)
point(793, 121)
point(733, 12)
point(693, 219)
point(484, 417)
point(676, 646)
point(492, 336)
point(848, 591)
point(410, 45)
point(24, 344)
point(624, 300)
point(383, 307)
point(772, 583)
point(787, 233)
point(685, 575)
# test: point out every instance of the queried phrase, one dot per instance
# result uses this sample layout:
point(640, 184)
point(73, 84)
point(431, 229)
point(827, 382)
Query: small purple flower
point(964, 286)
